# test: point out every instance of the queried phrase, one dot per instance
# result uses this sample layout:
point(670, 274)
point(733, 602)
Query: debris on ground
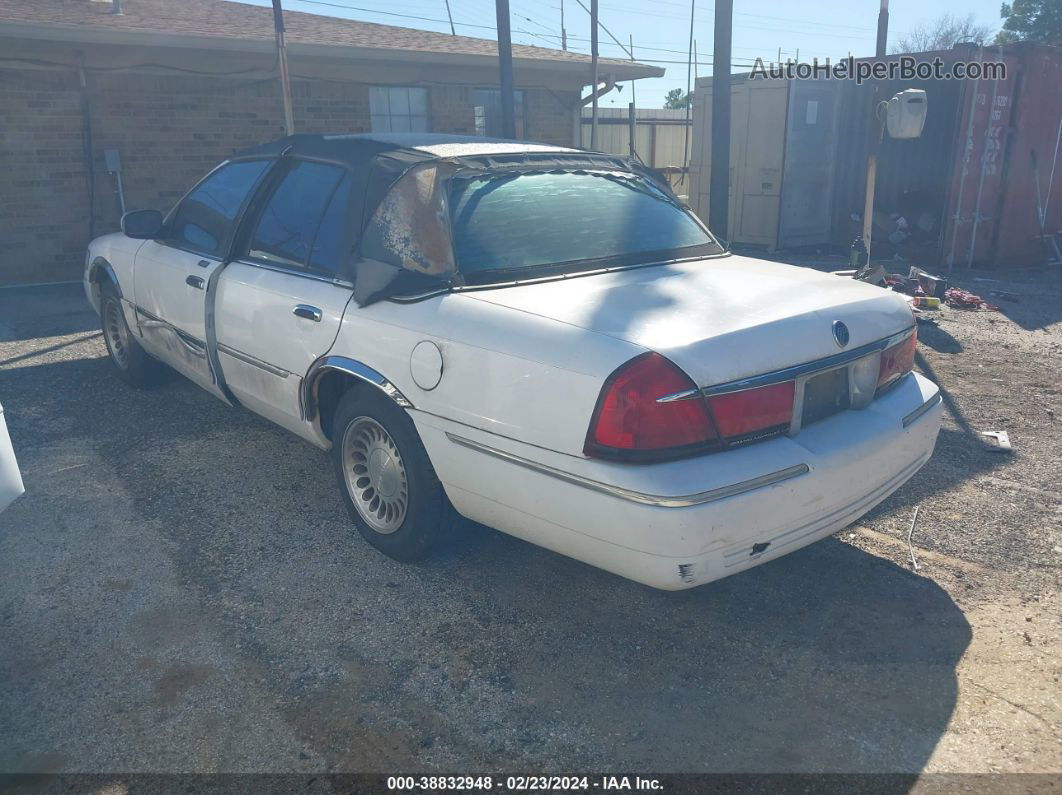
point(1002, 441)
point(963, 299)
point(935, 286)
point(910, 533)
point(871, 274)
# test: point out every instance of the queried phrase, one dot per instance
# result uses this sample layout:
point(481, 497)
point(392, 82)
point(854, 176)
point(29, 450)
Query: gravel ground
point(180, 591)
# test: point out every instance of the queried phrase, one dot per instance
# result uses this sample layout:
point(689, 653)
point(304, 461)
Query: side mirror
point(142, 224)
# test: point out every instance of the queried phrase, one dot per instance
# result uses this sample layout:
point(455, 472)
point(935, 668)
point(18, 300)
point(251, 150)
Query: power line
point(541, 36)
point(770, 17)
point(655, 49)
point(601, 25)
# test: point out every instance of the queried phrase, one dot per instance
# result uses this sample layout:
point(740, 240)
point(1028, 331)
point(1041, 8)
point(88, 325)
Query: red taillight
point(897, 360)
point(751, 410)
point(629, 423)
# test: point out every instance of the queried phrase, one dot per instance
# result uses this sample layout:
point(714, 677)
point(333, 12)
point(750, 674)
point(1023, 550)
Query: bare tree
point(942, 34)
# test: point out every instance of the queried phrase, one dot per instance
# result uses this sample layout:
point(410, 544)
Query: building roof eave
point(85, 35)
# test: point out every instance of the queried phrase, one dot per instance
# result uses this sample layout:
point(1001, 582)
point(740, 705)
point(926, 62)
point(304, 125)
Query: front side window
point(488, 112)
point(399, 109)
point(518, 225)
point(203, 221)
point(331, 251)
point(289, 221)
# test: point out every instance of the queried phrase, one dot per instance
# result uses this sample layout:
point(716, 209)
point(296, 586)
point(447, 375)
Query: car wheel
point(133, 363)
point(391, 490)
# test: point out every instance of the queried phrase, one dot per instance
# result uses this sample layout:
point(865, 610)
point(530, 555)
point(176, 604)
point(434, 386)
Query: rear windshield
point(511, 226)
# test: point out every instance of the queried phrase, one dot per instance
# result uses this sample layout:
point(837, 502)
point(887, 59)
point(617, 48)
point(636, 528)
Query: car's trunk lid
point(720, 319)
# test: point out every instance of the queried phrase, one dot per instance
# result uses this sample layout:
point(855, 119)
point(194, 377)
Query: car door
point(280, 302)
point(172, 275)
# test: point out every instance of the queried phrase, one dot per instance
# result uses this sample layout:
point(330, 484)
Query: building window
point(487, 102)
point(399, 109)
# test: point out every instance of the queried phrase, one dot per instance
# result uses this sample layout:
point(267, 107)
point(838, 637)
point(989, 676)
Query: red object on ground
point(961, 299)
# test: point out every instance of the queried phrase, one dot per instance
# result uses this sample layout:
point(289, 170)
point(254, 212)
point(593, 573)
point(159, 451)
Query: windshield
point(509, 226)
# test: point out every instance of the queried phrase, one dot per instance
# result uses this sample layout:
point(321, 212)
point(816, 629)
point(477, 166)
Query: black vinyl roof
point(358, 149)
point(375, 163)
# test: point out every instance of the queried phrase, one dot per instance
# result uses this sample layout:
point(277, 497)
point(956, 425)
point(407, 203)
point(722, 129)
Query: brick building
point(175, 87)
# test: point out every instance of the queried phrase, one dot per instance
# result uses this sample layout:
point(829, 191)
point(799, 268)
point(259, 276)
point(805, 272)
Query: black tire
point(134, 365)
point(413, 531)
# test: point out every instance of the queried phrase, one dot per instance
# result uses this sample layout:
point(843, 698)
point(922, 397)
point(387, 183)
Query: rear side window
point(289, 221)
point(204, 219)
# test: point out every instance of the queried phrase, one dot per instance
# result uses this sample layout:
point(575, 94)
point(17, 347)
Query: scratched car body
point(540, 339)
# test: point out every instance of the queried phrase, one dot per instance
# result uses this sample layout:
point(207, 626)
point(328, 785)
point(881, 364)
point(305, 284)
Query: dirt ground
point(180, 590)
point(989, 524)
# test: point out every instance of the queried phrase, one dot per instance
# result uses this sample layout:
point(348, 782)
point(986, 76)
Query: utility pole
point(632, 116)
point(631, 36)
point(505, 68)
point(282, 61)
point(883, 28)
point(876, 134)
point(564, 33)
point(689, 102)
point(593, 70)
point(719, 189)
point(450, 17)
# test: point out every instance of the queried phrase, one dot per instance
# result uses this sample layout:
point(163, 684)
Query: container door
point(757, 149)
point(977, 182)
point(757, 122)
point(807, 183)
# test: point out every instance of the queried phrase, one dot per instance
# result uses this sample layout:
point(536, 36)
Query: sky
point(661, 28)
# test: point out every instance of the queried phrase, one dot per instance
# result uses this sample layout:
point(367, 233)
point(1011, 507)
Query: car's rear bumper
point(684, 523)
point(10, 478)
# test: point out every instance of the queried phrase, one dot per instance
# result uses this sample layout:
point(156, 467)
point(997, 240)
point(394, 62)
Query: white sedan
point(540, 339)
point(10, 477)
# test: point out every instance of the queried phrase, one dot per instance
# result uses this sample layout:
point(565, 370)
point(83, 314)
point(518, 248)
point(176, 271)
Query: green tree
point(677, 100)
point(1031, 20)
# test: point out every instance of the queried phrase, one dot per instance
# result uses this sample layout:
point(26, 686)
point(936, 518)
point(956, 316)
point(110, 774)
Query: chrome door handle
point(195, 281)
point(308, 312)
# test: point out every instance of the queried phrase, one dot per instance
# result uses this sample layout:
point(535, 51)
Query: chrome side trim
point(248, 359)
point(194, 345)
point(308, 393)
point(660, 501)
point(153, 319)
point(792, 373)
point(913, 417)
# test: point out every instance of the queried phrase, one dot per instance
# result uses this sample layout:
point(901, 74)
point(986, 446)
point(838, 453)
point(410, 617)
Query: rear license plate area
point(825, 394)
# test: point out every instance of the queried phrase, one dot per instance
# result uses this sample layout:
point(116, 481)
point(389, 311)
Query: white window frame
point(399, 109)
